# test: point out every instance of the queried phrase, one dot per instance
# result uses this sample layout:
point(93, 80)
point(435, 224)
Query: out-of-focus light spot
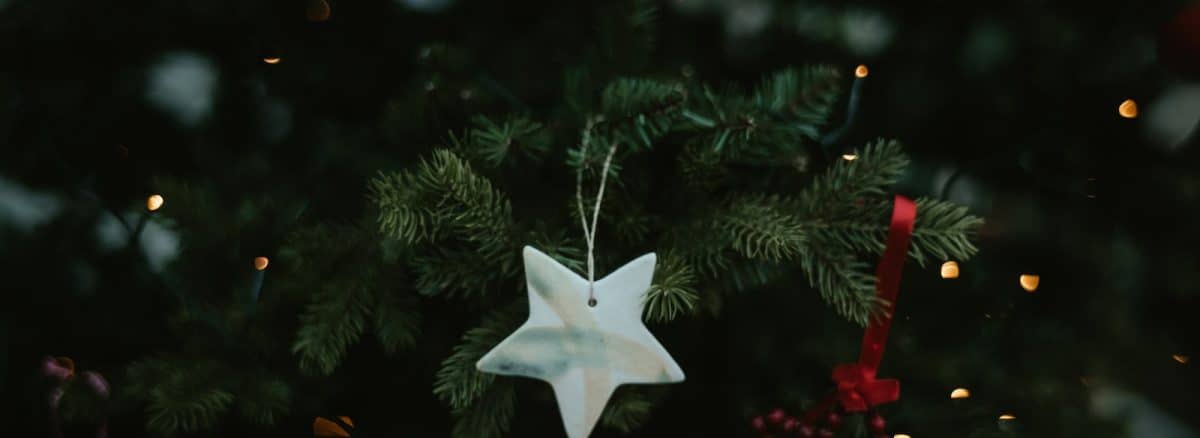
point(183, 84)
point(1029, 282)
point(866, 32)
point(861, 71)
point(1171, 117)
point(260, 263)
point(901, 435)
point(1007, 417)
point(24, 208)
point(960, 393)
point(1128, 109)
point(318, 11)
point(426, 6)
point(1180, 358)
point(950, 269)
point(272, 60)
point(850, 157)
point(154, 202)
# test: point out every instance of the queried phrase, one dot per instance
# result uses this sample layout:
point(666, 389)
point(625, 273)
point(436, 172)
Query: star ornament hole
point(591, 302)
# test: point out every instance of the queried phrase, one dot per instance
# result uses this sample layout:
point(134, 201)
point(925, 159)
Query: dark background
point(1007, 107)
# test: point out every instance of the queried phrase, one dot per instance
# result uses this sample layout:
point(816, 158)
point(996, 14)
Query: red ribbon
point(857, 388)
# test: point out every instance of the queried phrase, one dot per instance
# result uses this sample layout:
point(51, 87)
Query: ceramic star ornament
point(584, 351)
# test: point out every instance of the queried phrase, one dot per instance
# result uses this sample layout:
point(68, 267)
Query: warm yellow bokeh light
point(1180, 358)
point(849, 157)
point(959, 393)
point(861, 71)
point(1029, 282)
point(154, 202)
point(901, 435)
point(261, 263)
point(1008, 417)
point(271, 60)
point(1128, 109)
point(950, 269)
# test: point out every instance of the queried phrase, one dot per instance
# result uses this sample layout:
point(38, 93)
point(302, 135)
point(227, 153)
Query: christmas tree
point(270, 217)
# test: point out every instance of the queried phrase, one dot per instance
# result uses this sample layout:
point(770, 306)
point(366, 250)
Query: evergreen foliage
point(394, 162)
point(729, 185)
point(465, 234)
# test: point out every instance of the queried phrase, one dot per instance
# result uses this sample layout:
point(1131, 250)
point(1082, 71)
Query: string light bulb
point(1180, 358)
point(901, 435)
point(1007, 417)
point(950, 269)
point(260, 263)
point(1128, 109)
point(850, 156)
point(861, 71)
point(154, 202)
point(960, 393)
point(1029, 282)
point(324, 428)
point(272, 60)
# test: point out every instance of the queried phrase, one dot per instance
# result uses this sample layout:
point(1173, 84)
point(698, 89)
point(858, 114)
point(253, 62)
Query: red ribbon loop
point(858, 390)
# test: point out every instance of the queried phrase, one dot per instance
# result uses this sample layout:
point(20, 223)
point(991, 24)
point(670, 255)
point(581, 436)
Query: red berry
point(776, 416)
point(825, 433)
point(758, 424)
point(833, 419)
point(806, 431)
point(877, 424)
point(790, 424)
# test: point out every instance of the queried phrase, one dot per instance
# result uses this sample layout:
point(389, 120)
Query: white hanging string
point(589, 233)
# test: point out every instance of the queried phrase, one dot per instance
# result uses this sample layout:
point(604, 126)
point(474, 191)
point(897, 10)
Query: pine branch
point(627, 410)
point(760, 230)
point(490, 415)
point(264, 401)
point(332, 322)
point(184, 395)
point(457, 272)
point(943, 231)
point(493, 143)
point(838, 191)
point(396, 326)
point(637, 112)
point(844, 282)
point(568, 252)
point(673, 292)
point(175, 412)
point(443, 195)
point(804, 96)
point(458, 383)
point(444, 201)
point(788, 110)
